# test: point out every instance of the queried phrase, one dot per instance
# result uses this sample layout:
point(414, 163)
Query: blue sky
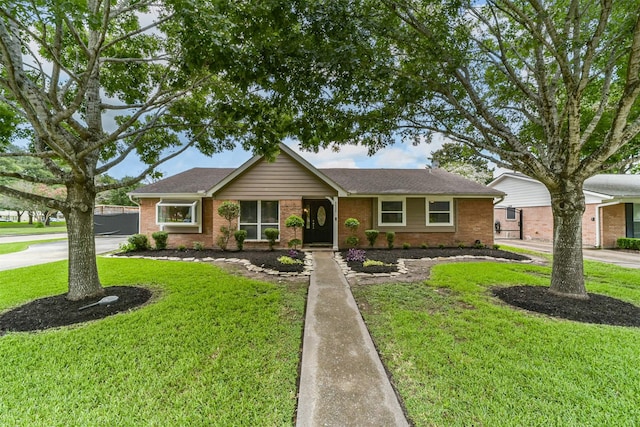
point(403, 155)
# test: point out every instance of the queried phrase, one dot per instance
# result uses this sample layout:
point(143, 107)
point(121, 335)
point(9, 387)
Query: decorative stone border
point(308, 263)
point(402, 269)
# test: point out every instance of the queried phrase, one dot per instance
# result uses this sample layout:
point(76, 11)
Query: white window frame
point(192, 204)
point(450, 211)
point(404, 211)
point(259, 224)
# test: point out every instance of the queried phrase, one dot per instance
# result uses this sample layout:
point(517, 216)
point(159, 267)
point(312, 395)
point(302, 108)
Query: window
point(439, 212)
point(511, 214)
point(636, 220)
point(258, 215)
point(392, 211)
point(177, 212)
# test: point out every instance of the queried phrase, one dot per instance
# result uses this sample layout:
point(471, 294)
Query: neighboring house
point(612, 209)
point(420, 205)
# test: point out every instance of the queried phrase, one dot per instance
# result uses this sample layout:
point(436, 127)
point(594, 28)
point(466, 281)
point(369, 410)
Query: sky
point(402, 155)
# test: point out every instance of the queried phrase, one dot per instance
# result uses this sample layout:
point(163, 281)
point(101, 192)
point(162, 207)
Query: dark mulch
point(391, 256)
point(264, 258)
point(55, 311)
point(598, 309)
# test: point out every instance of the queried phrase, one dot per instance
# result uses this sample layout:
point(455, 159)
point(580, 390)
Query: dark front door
point(318, 222)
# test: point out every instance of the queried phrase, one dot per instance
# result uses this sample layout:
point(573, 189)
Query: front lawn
point(209, 349)
point(459, 356)
point(21, 228)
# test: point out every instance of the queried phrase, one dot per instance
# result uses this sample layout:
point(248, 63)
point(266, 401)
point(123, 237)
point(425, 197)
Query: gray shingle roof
point(406, 181)
point(353, 181)
point(190, 181)
point(614, 185)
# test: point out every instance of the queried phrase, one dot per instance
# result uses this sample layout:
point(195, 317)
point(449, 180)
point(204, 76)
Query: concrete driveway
point(42, 253)
point(609, 256)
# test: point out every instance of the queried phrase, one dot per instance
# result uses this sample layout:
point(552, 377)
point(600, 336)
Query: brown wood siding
point(282, 179)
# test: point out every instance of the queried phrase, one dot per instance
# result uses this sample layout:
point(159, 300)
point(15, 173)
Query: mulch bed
point(599, 309)
point(55, 311)
point(391, 256)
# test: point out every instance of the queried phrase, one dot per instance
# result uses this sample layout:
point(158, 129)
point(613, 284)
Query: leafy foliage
point(160, 238)
point(229, 211)
point(272, 235)
point(240, 236)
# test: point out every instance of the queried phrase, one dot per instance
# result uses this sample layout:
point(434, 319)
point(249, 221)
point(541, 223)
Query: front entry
point(318, 222)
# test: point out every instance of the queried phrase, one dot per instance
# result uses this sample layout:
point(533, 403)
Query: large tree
point(96, 82)
point(548, 88)
point(463, 160)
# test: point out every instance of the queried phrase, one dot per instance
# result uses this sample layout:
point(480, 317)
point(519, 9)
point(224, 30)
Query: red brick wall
point(613, 224)
point(474, 221)
point(148, 225)
point(538, 223)
point(589, 226)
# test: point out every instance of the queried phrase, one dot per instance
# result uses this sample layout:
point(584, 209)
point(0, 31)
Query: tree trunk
point(567, 276)
point(83, 270)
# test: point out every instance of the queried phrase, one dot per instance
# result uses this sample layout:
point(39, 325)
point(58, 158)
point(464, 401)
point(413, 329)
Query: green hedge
point(629, 243)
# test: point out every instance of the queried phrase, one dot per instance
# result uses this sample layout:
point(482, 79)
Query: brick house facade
point(422, 206)
point(612, 209)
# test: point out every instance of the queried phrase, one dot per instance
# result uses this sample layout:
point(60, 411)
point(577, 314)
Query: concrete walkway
point(343, 381)
point(43, 253)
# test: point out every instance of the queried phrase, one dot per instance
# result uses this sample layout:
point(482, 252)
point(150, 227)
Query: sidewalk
point(609, 256)
point(343, 381)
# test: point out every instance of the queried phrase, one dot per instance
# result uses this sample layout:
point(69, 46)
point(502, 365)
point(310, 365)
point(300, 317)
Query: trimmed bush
point(229, 211)
point(352, 224)
point(406, 246)
point(160, 238)
point(628, 243)
point(198, 246)
point(240, 236)
point(138, 242)
point(372, 236)
point(391, 237)
point(295, 222)
point(272, 235)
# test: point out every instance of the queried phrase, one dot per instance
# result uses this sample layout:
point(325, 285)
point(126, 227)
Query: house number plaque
point(321, 216)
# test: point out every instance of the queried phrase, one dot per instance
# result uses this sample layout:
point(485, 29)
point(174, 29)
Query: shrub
point(127, 247)
point(240, 236)
point(356, 255)
point(441, 246)
point(496, 246)
point(478, 244)
point(160, 238)
point(287, 260)
point(391, 237)
point(406, 246)
point(372, 236)
point(229, 211)
point(182, 248)
point(198, 246)
point(295, 222)
point(372, 262)
point(138, 242)
point(424, 246)
point(293, 253)
point(39, 224)
point(461, 245)
point(628, 243)
point(272, 235)
point(352, 224)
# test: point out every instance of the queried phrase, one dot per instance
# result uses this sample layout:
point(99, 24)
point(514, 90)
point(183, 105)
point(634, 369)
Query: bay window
point(177, 212)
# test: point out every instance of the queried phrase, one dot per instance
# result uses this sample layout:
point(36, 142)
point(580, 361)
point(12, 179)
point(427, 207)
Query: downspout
point(598, 233)
point(131, 197)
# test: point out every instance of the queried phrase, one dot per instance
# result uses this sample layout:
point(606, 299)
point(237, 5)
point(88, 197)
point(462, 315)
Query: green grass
point(20, 228)
point(7, 248)
point(212, 349)
point(460, 357)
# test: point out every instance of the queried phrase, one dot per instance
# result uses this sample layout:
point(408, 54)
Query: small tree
point(229, 211)
point(272, 235)
point(372, 236)
point(352, 224)
point(295, 222)
point(240, 236)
